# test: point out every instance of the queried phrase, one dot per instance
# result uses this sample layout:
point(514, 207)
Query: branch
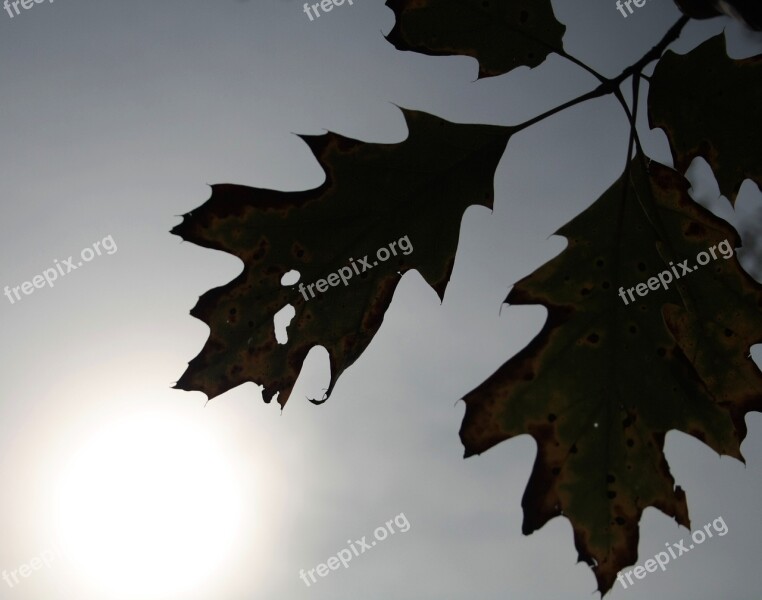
point(611, 86)
point(655, 52)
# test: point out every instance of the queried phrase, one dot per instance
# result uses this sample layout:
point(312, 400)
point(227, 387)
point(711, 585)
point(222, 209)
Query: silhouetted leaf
point(698, 9)
point(374, 194)
point(500, 34)
point(604, 381)
point(747, 11)
point(710, 105)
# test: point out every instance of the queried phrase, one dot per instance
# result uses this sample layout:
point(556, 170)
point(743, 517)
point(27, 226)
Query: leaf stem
point(601, 90)
point(633, 118)
point(655, 52)
point(562, 53)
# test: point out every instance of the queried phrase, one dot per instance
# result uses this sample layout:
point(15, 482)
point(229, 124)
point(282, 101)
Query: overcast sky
point(114, 118)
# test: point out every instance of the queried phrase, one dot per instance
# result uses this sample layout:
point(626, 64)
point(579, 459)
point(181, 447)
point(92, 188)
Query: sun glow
point(148, 507)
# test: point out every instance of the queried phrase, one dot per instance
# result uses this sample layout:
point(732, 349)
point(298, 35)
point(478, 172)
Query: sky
point(115, 118)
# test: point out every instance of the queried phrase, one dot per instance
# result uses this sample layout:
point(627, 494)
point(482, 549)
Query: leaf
point(710, 105)
point(374, 194)
point(698, 9)
point(604, 381)
point(500, 34)
point(747, 11)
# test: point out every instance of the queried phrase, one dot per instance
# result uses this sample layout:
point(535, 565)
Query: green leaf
point(710, 105)
point(500, 34)
point(374, 194)
point(604, 381)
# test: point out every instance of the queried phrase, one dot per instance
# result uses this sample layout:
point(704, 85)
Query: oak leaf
point(604, 381)
point(710, 105)
point(501, 34)
point(373, 194)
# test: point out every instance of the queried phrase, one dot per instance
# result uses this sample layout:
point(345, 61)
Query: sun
point(148, 507)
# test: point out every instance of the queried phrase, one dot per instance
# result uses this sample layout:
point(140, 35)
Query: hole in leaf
point(290, 278)
point(281, 321)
